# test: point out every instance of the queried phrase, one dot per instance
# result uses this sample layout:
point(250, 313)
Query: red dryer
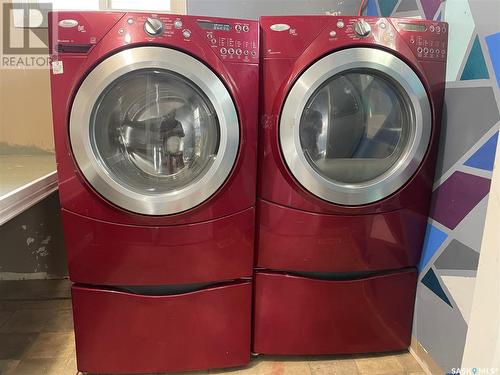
point(351, 110)
point(155, 120)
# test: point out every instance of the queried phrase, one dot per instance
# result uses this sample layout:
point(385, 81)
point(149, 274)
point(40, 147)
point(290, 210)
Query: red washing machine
point(351, 110)
point(155, 120)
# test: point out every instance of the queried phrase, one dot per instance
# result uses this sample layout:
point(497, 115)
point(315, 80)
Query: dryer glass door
point(157, 137)
point(355, 126)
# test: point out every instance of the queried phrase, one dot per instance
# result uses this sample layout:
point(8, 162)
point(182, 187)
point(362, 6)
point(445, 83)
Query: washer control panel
point(231, 39)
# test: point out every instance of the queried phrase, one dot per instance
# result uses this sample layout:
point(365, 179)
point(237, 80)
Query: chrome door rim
point(309, 81)
point(97, 175)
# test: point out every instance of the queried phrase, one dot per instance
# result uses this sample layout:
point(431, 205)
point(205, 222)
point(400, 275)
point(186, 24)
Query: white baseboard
point(424, 359)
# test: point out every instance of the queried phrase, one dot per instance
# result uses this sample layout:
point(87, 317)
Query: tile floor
point(36, 338)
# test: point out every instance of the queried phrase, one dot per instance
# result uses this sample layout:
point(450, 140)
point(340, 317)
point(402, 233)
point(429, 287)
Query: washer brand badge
point(67, 24)
point(280, 27)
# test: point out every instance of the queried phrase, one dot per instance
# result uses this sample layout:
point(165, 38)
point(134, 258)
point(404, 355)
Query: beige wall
point(25, 110)
point(179, 6)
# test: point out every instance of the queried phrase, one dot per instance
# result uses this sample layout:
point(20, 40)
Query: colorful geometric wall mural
point(467, 151)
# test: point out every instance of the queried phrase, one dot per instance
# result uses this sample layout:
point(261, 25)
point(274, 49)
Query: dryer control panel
point(427, 39)
point(291, 36)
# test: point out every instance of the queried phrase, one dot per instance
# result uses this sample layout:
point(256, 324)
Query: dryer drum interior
point(355, 126)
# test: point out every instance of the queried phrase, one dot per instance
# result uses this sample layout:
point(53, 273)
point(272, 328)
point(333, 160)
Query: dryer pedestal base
point(301, 316)
point(291, 239)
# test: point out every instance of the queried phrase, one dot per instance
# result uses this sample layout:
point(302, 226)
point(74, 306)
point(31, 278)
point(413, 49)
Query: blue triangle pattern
point(431, 281)
point(386, 7)
point(475, 67)
point(484, 157)
point(434, 238)
point(493, 42)
point(371, 8)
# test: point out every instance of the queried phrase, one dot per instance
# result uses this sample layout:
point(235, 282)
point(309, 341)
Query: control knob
point(153, 27)
point(362, 28)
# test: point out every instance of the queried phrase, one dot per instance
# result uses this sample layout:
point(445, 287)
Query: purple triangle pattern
point(430, 7)
point(457, 196)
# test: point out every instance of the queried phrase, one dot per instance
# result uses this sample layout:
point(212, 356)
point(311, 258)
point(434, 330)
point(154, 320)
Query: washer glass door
point(154, 131)
point(353, 130)
point(161, 135)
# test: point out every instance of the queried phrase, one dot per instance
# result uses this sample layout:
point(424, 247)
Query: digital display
point(214, 26)
point(412, 26)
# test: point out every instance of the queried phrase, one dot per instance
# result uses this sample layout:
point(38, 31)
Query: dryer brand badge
point(280, 27)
